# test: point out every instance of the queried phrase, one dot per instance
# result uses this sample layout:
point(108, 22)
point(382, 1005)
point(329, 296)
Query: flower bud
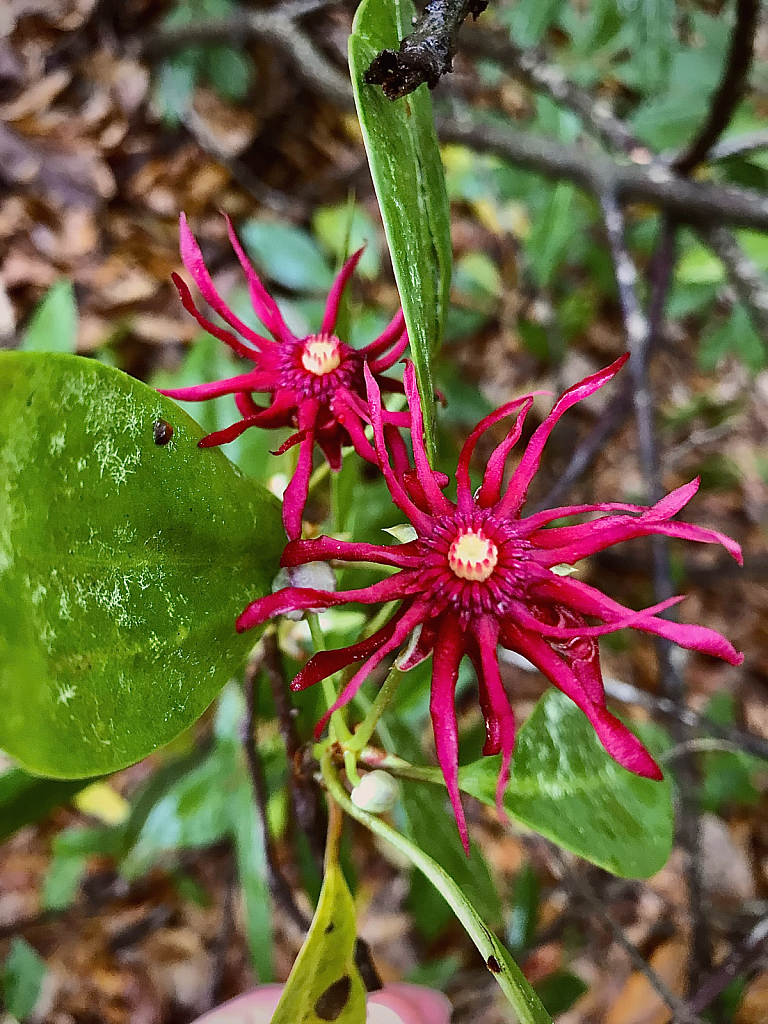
point(376, 793)
point(313, 576)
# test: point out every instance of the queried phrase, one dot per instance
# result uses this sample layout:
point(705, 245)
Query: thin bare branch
point(583, 891)
point(690, 201)
point(278, 883)
point(730, 89)
point(748, 280)
point(738, 145)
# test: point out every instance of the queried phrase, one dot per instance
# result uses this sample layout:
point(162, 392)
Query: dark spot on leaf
point(332, 1002)
point(330, 927)
point(162, 431)
point(493, 965)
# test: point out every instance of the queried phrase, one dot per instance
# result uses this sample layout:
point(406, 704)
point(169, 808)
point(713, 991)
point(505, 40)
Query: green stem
point(365, 730)
point(376, 758)
point(510, 978)
point(338, 728)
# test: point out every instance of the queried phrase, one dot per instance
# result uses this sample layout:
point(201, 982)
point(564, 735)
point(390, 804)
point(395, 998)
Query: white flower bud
point(313, 576)
point(377, 792)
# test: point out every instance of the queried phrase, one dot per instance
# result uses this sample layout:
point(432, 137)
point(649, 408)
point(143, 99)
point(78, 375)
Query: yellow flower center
point(472, 556)
point(321, 355)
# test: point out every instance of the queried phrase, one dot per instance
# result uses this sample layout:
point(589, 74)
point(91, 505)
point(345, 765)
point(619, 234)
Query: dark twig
point(738, 145)
point(426, 54)
point(269, 659)
point(305, 794)
point(582, 889)
point(278, 28)
point(689, 201)
point(278, 884)
point(730, 89)
point(749, 282)
point(531, 67)
point(692, 720)
point(738, 962)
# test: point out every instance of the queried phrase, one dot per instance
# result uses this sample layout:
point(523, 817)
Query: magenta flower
point(477, 576)
point(315, 383)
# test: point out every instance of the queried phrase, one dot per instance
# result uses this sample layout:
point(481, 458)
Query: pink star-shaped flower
point(315, 383)
point(477, 576)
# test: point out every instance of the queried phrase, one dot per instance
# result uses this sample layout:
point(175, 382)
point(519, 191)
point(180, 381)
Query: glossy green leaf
point(408, 176)
point(510, 978)
point(325, 984)
point(124, 564)
point(566, 787)
point(53, 327)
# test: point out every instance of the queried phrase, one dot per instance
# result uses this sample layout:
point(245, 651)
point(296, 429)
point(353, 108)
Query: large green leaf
point(567, 788)
point(123, 565)
point(408, 175)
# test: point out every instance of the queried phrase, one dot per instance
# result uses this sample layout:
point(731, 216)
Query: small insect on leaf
point(162, 431)
point(493, 965)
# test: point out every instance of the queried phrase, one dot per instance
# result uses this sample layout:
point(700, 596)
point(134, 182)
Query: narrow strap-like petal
point(246, 405)
point(538, 520)
point(570, 543)
point(630, 619)
point(490, 489)
point(438, 502)
point(517, 490)
point(420, 519)
point(295, 494)
point(294, 599)
point(264, 306)
point(463, 485)
point(624, 747)
point(322, 549)
point(348, 418)
point(337, 290)
point(254, 380)
point(324, 663)
point(208, 325)
point(193, 261)
point(409, 619)
point(391, 333)
point(486, 630)
point(591, 601)
point(448, 652)
point(390, 358)
point(228, 434)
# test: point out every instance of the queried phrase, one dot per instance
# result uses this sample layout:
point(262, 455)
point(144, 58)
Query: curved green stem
point(338, 728)
point(366, 728)
point(511, 979)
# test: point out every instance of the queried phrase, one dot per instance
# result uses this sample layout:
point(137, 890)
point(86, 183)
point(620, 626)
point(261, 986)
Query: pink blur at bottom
point(394, 1004)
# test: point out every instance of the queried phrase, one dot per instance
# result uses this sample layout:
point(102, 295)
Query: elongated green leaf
point(567, 788)
point(511, 979)
point(408, 176)
point(53, 327)
point(325, 984)
point(123, 564)
point(22, 978)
